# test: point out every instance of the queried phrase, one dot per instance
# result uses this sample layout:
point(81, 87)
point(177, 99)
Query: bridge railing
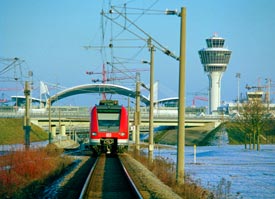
point(83, 112)
point(44, 113)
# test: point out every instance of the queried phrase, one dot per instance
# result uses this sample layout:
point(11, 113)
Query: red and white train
point(109, 131)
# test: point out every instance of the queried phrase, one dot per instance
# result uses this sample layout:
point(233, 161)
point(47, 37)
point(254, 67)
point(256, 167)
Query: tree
point(253, 121)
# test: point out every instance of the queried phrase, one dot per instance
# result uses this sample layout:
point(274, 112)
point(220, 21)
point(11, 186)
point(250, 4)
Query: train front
point(109, 131)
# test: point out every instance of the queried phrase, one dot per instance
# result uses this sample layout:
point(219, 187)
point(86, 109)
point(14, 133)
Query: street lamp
point(268, 80)
point(171, 12)
point(238, 76)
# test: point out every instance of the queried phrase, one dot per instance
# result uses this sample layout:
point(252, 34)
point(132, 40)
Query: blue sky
point(49, 36)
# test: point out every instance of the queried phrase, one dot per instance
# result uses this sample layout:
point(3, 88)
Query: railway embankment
point(12, 132)
point(147, 183)
point(193, 135)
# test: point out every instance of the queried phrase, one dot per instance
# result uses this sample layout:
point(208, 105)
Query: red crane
point(198, 98)
point(104, 73)
point(104, 79)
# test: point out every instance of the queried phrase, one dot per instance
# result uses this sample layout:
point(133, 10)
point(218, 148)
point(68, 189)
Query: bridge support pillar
point(63, 130)
point(53, 130)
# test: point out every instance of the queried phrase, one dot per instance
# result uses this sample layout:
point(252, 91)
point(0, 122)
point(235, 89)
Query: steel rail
point(131, 181)
point(86, 185)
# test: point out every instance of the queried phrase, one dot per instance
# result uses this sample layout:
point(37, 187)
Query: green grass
point(235, 136)
point(193, 135)
point(202, 136)
point(12, 132)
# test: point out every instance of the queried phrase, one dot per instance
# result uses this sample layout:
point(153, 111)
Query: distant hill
point(11, 132)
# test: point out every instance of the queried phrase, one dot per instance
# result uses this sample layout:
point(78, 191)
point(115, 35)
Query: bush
point(18, 169)
point(165, 170)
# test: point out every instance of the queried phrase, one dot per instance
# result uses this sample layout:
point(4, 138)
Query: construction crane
point(198, 95)
point(104, 74)
point(259, 88)
point(198, 98)
point(104, 79)
point(10, 89)
point(266, 89)
point(4, 100)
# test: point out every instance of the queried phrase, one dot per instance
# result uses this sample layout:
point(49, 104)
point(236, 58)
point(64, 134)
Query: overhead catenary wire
point(157, 44)
point(118, 16)
point(9, 66)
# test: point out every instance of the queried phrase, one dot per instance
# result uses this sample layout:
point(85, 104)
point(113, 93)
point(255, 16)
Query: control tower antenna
point(214, 59)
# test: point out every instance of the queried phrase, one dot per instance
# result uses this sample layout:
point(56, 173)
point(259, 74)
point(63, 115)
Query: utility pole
point(128, 110)
point(27, 125)
point(181, 111)
point(50, 120)
point(151, 113)
point(137, 113)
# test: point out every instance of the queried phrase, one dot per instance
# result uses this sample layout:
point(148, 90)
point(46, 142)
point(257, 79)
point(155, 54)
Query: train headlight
point(122, 134)
point(94, 134)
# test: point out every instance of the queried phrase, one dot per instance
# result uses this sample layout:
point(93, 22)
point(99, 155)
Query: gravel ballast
point(148, 184)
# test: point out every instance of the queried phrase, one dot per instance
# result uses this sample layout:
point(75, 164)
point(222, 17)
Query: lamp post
point(238, 76)
point(268, 80)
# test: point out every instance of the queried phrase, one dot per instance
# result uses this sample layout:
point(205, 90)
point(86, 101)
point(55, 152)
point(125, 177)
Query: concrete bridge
point(78, 120)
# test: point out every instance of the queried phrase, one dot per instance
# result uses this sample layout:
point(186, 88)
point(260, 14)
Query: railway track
point(109, 179)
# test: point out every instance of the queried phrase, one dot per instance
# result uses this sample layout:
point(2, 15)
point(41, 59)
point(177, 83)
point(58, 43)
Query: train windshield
point(108, 121)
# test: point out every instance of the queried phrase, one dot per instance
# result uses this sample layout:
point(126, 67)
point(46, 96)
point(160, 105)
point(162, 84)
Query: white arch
point(97, 88)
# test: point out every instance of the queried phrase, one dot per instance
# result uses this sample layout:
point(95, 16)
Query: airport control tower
point(214, 59)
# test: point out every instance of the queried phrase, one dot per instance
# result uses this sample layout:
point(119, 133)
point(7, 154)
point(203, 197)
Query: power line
point(158, 45)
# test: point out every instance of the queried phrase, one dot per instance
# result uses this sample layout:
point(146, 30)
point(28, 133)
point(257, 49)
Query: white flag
point(43, 88)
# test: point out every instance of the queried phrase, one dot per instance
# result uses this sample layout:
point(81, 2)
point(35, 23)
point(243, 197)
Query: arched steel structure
point(21, 100)
point(169, 102)
point(97, 88)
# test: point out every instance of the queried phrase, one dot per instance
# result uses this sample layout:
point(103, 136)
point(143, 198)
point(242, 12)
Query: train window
point(108, 122)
